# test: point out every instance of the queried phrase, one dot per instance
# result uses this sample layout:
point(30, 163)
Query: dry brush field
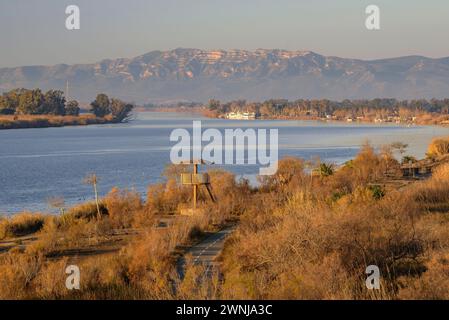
point(298, 236)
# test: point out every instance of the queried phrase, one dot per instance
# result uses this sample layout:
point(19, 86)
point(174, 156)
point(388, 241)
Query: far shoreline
point(10, 122)
point(207, 114)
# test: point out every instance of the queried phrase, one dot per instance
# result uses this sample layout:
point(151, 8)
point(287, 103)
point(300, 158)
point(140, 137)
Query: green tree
point(72, 108)
point(377, 191)
point(12, 99)
point(120, 110)
point(408, 159)
point(214, 104)
point(30, 102)
point(100, 106)
point(54, 103)
point(5, 106)
point(326, 170)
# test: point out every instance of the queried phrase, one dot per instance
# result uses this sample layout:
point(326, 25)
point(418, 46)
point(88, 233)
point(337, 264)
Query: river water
point(38, 164)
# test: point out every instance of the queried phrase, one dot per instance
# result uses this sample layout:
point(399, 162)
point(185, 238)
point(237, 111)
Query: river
point(38, 164)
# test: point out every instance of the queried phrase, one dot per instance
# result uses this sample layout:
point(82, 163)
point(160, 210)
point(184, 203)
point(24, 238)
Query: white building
point(241, 115)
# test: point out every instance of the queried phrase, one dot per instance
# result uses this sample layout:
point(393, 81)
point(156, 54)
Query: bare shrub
point(165, 198)
point(290, 174)
point(87, 210)
point(321, 240)
point(121, 206)
point(18, 270)
point(50, 281)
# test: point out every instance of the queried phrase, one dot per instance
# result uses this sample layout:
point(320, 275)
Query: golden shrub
point(21, 224)
point(438, 147)
point(121, 206)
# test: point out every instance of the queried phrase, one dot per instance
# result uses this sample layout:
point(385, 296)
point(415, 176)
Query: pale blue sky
point(33, 31)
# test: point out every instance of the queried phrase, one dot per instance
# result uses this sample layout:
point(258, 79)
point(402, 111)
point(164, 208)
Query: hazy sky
point(33, 31)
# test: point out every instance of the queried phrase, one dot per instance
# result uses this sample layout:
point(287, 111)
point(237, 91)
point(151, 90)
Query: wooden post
point(196, 179)
point(410, 169)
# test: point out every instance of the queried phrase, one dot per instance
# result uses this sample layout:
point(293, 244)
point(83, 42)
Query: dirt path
point(206, 252)
point(88, 248)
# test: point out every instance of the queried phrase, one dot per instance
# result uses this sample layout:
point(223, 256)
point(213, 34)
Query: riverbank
point(293, 223)
point(47, 121)
point(424, 120)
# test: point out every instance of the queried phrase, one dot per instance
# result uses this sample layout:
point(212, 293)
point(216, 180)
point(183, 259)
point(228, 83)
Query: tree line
point(340, 109)
point(117, 109)
point(35, 102)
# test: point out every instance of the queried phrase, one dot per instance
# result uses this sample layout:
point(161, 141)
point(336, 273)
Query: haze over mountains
point(198, 75)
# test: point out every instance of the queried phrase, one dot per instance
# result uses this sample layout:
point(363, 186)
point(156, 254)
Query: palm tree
point(408, 160)
point(325, 169)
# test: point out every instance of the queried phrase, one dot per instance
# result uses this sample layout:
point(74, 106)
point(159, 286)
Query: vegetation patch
point(21, 224)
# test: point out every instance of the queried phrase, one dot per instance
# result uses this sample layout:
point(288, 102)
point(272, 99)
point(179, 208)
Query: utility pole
point(67, 91)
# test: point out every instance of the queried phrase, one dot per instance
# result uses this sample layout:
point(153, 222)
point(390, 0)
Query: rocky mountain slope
point(198, 75)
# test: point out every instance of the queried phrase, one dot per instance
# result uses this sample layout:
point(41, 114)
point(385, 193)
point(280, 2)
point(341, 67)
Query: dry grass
point(21, 224)
point(433, 284)
point(44, 121)
point(313, 245)
point(121, 206)
point(143, 269)
point(87, 210)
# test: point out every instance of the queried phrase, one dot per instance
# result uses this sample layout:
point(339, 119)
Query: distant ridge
point(198, 75)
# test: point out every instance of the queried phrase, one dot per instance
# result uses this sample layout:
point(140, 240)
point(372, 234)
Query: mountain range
point(198, 75)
